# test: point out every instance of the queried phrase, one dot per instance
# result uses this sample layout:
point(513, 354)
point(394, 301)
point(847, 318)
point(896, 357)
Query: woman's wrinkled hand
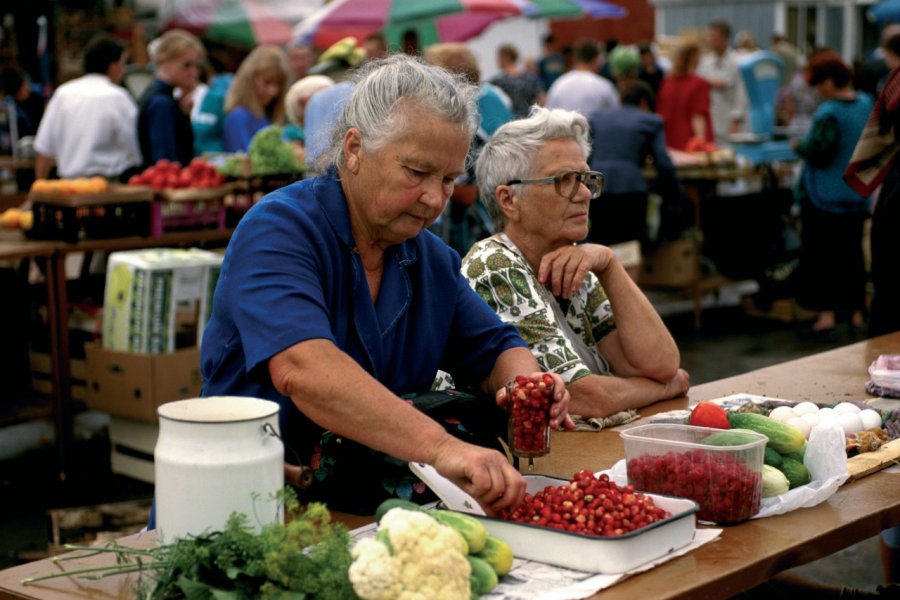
point(563, 270)
point(679, 385)
point(484, 474)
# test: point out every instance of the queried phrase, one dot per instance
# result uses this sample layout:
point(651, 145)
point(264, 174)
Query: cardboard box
point(132, 385)
point(158, 300)
point(675, 264)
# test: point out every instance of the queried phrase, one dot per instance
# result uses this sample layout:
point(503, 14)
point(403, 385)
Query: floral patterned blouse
point(561, 334)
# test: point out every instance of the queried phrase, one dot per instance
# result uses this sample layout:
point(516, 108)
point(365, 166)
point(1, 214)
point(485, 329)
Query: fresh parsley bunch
point(307, 558)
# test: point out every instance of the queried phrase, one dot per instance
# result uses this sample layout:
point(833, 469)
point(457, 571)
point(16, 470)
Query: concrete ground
point(729, 342)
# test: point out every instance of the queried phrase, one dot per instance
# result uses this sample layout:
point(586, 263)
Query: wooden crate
point(94, 525)
point(42, 375)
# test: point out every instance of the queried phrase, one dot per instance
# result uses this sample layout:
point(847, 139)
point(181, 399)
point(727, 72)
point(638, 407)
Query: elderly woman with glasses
point(334, 300)
point(581, 314)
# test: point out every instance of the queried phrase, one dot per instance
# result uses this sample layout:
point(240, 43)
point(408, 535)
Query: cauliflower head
point(413, 557)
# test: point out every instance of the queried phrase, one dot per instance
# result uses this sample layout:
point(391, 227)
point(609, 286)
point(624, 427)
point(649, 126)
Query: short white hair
point(303, 88)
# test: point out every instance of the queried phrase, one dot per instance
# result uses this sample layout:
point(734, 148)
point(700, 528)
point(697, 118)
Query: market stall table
point(744, 556)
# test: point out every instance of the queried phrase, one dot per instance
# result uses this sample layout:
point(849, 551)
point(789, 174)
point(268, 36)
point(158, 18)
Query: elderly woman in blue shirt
point(335, 300)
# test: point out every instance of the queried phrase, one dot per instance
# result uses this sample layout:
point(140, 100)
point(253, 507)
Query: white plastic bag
point(826, 459)
point(884, 376)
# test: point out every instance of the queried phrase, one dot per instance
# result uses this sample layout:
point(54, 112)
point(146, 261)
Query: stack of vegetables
point(415, 554)
point(783, 467)
point(268, 154)
point(435, 554)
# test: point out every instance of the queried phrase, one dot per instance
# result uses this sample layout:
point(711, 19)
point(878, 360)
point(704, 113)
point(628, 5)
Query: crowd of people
point(338, 302)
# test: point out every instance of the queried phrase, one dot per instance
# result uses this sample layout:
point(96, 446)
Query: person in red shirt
point(683, 102)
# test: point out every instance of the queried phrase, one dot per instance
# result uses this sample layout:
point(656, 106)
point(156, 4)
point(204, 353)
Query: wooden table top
point(745, 554)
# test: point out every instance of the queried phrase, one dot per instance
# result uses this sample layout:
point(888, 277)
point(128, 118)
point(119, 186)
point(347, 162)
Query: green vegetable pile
point(268, 154)
point(271, 155)
point(307, 558)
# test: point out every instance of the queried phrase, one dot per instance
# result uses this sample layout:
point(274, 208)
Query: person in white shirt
point(728, 98)
point(582, 89)
point(90, 125)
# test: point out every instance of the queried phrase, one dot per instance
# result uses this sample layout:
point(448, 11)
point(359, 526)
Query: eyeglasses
point(568, 183)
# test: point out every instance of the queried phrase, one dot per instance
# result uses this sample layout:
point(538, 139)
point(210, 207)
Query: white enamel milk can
point(215, 456)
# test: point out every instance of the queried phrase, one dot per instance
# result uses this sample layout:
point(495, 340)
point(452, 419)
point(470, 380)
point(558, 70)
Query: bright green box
point(158, 300)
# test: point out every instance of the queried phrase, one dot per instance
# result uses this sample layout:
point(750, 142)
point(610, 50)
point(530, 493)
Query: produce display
point(169, 175)
point(589, 505)
point(418, 553)
point(309, 557)
point(70, 187)
point(268, 154)
point(529, 415)
point(788, 425)
point(865, 428)
point(15, 218)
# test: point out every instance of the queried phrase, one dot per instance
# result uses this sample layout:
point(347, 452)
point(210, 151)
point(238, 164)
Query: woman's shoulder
point(491, 254)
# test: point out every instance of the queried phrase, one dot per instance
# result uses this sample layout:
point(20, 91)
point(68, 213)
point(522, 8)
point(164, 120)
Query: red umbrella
point(245, 23)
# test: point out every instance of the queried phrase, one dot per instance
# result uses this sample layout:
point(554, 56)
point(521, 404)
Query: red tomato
point(709, 414)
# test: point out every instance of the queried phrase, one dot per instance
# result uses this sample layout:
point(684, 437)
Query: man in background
point(552, 63)
point(375, 46)
point(728, 99)
point(522, 87)
point(581, 89)
point(90, 125)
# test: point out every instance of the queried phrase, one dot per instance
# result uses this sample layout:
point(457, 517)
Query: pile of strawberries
point(589, 505)
point(726, 489)
point(169, 175)
point(529, 415)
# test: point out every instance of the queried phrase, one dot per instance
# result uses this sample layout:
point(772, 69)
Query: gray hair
point(512, 151)
point(384, 91)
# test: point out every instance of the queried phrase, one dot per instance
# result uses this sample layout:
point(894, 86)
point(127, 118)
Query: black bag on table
point(353, 478)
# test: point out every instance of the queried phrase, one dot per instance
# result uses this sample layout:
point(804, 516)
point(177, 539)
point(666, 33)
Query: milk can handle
point(306, 473)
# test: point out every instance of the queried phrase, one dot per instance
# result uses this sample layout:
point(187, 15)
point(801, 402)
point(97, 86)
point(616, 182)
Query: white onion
point(801, 424)
point(870, 418)
point(782, 413)
point(826, 413)
point(846, 407)
point(811, 418)
point(850, 422)
point(805, 408)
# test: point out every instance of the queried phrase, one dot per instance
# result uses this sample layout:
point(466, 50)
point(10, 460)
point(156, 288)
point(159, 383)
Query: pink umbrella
point(245, 23)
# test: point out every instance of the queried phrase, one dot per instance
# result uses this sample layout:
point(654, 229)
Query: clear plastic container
point(719, 469)
point(528, 423)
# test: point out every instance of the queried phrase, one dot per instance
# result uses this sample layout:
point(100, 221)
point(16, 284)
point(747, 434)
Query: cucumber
point(773, 482)
point(469, 527)
point(394, 503)
point(796, 472)
point(783, 438)
point(772, 458)
point(732, 437)
point(483, 578)
point(498, 554)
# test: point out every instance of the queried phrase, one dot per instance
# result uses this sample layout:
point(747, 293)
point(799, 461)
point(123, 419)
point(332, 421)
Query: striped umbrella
point(450, 20)
point(243, 23)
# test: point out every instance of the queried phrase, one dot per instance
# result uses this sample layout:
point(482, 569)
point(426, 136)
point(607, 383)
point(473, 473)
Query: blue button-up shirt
point(290, 274)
